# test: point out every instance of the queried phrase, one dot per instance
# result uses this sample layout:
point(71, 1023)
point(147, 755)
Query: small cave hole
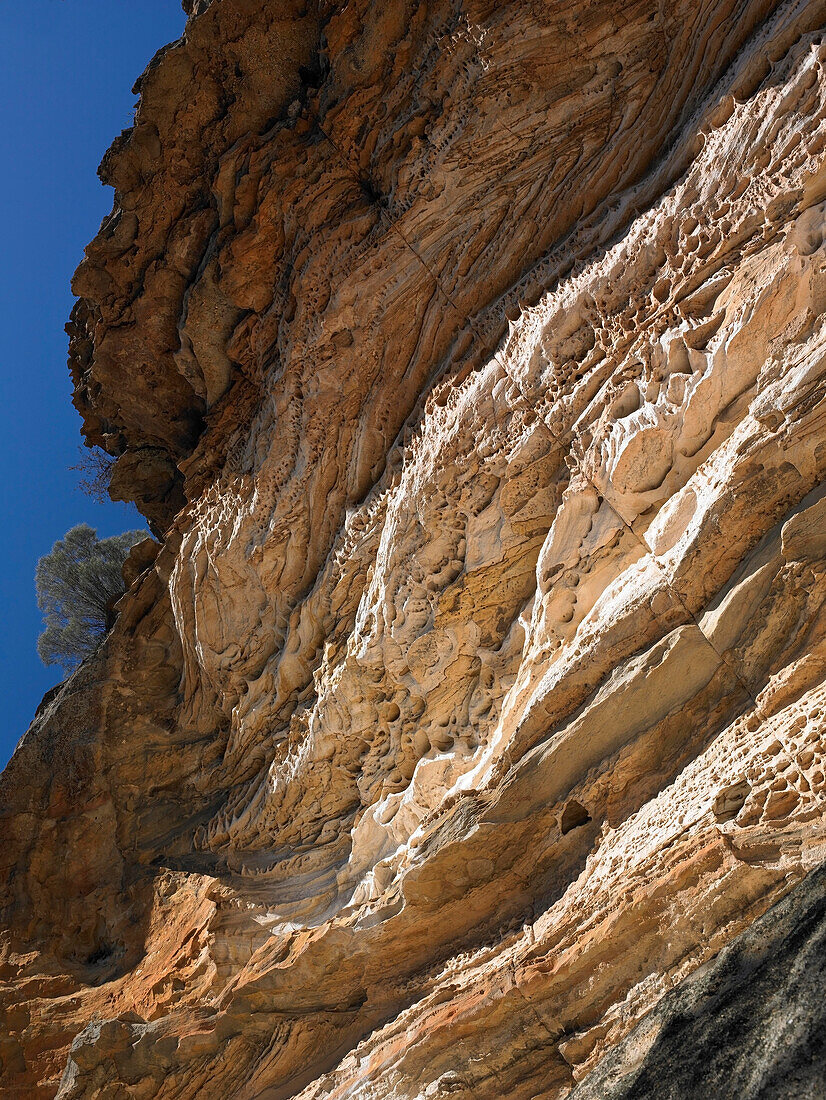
point(312, 75)
point(101, 954)
point(372, 192)
point(573, 816)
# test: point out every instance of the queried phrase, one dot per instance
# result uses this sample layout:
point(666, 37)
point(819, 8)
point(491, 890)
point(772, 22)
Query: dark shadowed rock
point(750, 1025)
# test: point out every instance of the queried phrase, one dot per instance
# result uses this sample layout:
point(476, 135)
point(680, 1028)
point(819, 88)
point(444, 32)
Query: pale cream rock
point(476, 696)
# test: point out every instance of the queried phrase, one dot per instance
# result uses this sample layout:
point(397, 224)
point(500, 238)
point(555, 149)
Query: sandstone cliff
point(468, 361)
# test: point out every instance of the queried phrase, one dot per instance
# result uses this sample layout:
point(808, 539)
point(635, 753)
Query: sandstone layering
point(468, 360)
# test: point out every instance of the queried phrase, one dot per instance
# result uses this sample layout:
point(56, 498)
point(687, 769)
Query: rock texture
point(470, 361)
point(750, 1024)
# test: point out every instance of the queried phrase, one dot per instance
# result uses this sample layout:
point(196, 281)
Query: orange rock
point(470, 362)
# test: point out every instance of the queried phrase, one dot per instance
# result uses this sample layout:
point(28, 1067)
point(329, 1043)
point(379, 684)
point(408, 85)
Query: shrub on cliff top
point(78, 584)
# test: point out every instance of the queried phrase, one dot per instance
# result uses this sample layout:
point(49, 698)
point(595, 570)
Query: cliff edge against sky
point(465, 737)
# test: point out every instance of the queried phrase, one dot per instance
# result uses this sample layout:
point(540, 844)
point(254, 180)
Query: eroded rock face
point(471, 360)
point(749, 1024)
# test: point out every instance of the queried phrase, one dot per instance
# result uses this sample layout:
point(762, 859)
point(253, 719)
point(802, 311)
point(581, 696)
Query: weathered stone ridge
point(470, 360)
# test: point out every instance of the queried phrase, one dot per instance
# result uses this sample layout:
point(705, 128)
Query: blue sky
point(66, 72)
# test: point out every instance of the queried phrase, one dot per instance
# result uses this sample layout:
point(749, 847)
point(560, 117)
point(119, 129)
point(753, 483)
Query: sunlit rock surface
point(470, 361)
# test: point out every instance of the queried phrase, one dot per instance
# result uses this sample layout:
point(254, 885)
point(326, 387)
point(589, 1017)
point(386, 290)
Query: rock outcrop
point(752, 1023)
point(469, 360)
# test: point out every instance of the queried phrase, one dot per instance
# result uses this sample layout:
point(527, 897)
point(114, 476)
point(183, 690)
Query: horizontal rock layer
point(470, 358)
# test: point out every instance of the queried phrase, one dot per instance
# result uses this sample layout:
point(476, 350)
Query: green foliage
point(77, 585)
